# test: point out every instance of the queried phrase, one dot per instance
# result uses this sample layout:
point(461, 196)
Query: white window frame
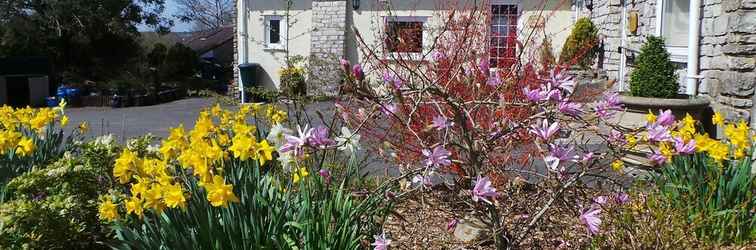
point(408, 55)
point(520, 21)
point(677, 53)
point(282, 33)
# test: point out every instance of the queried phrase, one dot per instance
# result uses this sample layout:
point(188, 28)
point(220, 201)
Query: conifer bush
point(581, 48)
point(654, 74)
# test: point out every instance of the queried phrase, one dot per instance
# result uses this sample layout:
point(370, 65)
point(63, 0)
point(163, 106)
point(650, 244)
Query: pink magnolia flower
point(494, 81)
point(380, 243)
point(296, 144)
point(591, 220)
point(326, 174)
point(439, 157)
point(551, 93)
point(600, 200)
point(345, 65)
point(587, 158)
point(483, 190)
point(608, 106)
point(440, 122)
point(558, 155)
point(658, 158)
point(666, 118)
point(388, 109)
point(359, 75)
point(484, 66)
point(685, 148)
point(452, 225)
point(319, 138)
point(392, 80)
point(562, 81)
point(570, 108)
point(616, 137)
point(422, 180)
point(657, 133)
point(622, 198)
point(438, 56)
point(533, 95)
point(546, 130)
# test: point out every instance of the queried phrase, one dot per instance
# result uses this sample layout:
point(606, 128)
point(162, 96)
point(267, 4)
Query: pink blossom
point(494, 81)
point(380, 243)
point(359, 75)
point(438, 56)
point(616, 137)
point(392, 80)
point(685, 148)
point(570, 108)
point(440, 122)
point(296, 144)
point(562, 81)
point(439, 157)
point(658, 158)
point(484, 66)
point(558, 155)
point(483, 190)
point(546, 130)
point(345, 65)
point(422, 180)
point(600, 200)
point(587, 158)
point(666, 118)
point(608, 105)
point(591, 220)
point(326, 174)
point(319, 138)
point(452, 225)
point(551, 93)
point(533, 95)
point(388, 109)
point(622, 198)
point(657, 133)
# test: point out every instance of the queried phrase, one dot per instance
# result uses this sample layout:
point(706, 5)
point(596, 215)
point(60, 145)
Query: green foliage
point(56, 207)
point(654, 74)
point(273, 213)
point(718, 199)
point(581, 47)
point(181, 62)
point(46, 151)
point(648, 222)
point(92, 39)
point(293, 77)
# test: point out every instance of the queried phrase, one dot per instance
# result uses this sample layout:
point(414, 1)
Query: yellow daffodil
point(152, 198)
point(134, 206)
point(25, 147)
point(717, 119)
point(264, 152)
point(64, 121)
point(174, 196)
point(108, 210)
point(631, 141)
point(219, 193)
point(299, 175)
point(650, 117)
point(242, 147)
point(83, 127)
point(718, 151)
point(124, 166)
point(618, 165)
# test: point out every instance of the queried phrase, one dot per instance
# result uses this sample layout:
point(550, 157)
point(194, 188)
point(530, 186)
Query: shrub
point(293, 77)
point(581, 47)
point(56, 207)
point(654, 74)
point(181, 62)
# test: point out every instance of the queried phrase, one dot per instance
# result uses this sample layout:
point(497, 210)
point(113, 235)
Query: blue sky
point(170, 10)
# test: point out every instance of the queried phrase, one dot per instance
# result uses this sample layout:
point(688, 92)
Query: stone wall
point(728, 49)
point(728, 54)
point(329, 20)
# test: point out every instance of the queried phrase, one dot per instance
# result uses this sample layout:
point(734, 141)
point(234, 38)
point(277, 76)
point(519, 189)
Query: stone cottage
point(713, 42)
point(324, 31)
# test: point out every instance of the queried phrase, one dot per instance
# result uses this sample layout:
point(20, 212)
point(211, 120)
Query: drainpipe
point(623, 49)
point(242, 48)
point(694, 37)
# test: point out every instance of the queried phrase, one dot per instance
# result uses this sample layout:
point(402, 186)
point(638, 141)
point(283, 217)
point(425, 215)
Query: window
point(404, 34)
point(275, 33)
point(675, 22)
point(503, 35)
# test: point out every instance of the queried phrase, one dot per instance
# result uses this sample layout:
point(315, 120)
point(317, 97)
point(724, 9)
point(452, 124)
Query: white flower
point(277, 135)
point(348, 141)
point(287, 161)
point(105, 140)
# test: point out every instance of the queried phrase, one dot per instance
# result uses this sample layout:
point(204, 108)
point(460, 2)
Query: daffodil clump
point(669, 138)
point(218, 137)
point(20, 126)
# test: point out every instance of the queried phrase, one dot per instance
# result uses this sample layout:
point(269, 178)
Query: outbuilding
point(24, 81)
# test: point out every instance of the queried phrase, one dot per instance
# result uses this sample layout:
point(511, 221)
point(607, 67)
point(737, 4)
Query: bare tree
point(206, 14)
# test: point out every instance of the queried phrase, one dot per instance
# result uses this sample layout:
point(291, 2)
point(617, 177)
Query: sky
point(171, 9)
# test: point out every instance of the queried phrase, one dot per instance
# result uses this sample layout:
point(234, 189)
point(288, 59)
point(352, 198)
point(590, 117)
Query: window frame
point(282, 35)
point(424, 39)
point(677, 53)
point(517, 4)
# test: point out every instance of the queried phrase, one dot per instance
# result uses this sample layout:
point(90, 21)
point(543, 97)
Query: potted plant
point(654, 86)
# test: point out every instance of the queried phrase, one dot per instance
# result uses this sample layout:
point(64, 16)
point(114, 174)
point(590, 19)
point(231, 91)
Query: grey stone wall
point(329, 26)
point(728, 49)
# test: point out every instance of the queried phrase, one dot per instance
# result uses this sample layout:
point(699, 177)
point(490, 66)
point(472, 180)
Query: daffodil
point(152, 198)
point(108, 210)
point(650, 117)
point(25, 147)
point(83, 127)
point(717, 119)
point(242, 147)
point(264, 152)
point(299, 175)
point(618, 165)
point(124, 166)
point(174, 196)
point(64, 121)
point(219, 193)
point(134, 206)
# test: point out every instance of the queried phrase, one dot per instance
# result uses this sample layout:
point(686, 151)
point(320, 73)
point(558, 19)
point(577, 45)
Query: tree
point(180, 63)
point(654, 74)
point(92, 39)
point(206, 14)
point(581, 48)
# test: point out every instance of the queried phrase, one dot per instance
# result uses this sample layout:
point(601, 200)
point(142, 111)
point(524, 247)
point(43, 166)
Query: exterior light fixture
point(356, 4)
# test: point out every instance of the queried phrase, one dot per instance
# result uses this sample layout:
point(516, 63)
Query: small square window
point(404, 35)
point(275, 34)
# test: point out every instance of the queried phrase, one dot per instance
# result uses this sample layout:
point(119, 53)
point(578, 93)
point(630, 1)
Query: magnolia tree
point(447, 114)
